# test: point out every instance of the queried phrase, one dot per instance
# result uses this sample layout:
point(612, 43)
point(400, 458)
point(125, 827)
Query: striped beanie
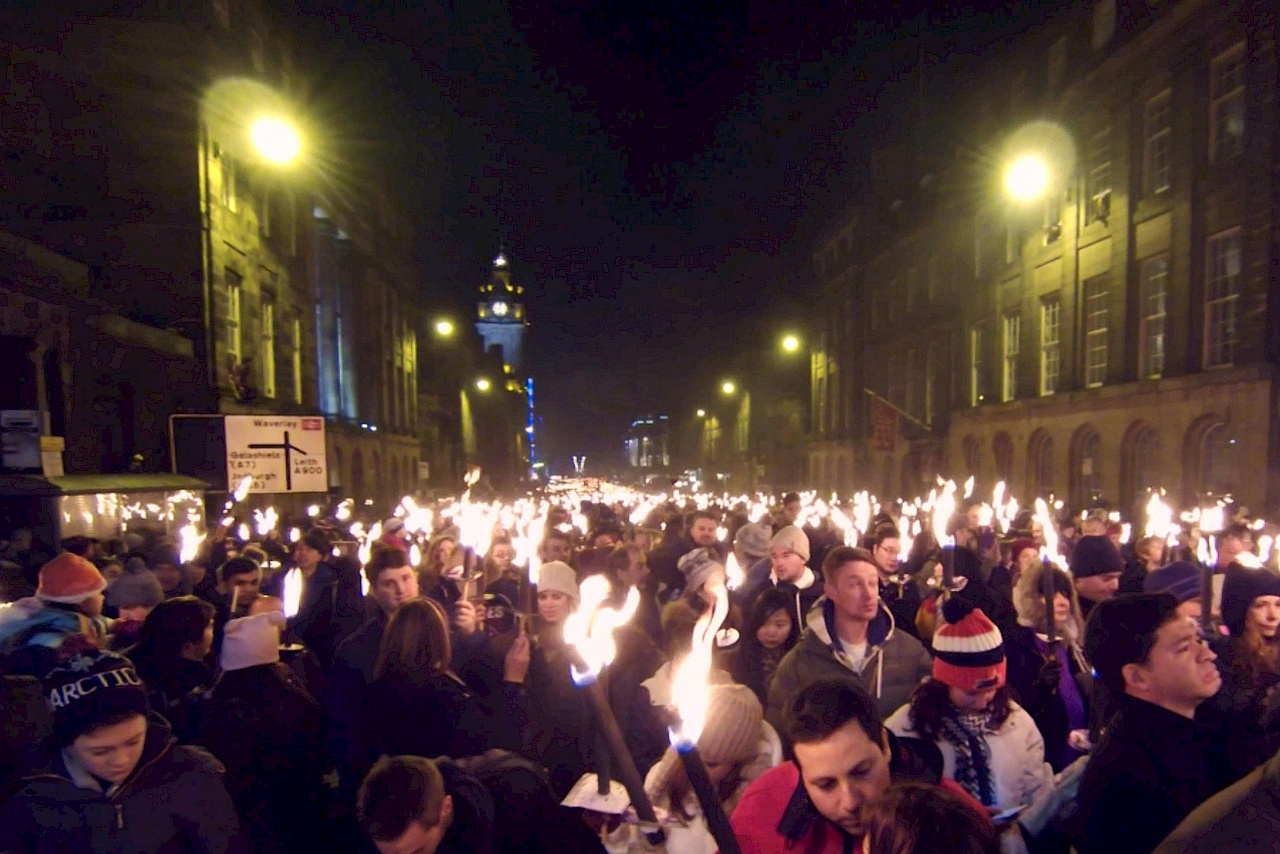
point(968, 650)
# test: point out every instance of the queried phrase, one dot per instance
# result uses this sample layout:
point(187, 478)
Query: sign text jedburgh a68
point(281, 453)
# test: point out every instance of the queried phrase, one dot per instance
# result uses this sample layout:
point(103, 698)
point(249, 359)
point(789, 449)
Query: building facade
point(1116, 333)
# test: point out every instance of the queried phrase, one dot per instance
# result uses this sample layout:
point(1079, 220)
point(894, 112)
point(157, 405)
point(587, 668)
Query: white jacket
point(1017, 756)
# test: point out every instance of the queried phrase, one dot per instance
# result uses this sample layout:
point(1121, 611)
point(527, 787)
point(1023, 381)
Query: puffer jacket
point(32, 631)
point(1018, 768)
point(896, 663)
point(174, 803)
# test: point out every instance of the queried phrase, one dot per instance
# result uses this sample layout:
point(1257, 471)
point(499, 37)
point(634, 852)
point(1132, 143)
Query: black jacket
point(265, 728)
point(1150, 769)
point(1044, 704)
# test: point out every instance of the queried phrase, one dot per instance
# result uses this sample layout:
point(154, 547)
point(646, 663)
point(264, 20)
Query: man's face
point(1229, 549)
point(703, 532)
point(169, 577)
point(305, 556)
point(1098, 588)
point(1180, 670)
point(419, 837)
point(1190, 610)
point(1092, 527)
point(792, 511)
point(112, 752)
point(244, 588)
point(974, 517)
point(843, 774)
point(605, 541)
point(855, 590)
point(787, 565)
point(554, 548)
point(394, 587)
point(503, 556)
point(887, 554)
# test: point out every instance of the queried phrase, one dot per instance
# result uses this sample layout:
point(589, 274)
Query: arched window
point(1086, 466)
point(1041, 475)
point(1139, 465)
point(357, 476)
point(1219, 472)
point(1002, 450)
point(972, 450)
point(375, 477)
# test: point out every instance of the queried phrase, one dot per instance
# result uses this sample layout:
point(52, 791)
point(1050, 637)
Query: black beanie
point(1122, 631)
point(1240, 586)
point(89, 689)
point(1095, 555)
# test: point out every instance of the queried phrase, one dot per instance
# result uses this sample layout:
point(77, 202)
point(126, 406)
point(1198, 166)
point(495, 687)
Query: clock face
point(500, 309)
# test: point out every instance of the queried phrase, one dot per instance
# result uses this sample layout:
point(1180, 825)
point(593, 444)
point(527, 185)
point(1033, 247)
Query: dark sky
point(656, 176)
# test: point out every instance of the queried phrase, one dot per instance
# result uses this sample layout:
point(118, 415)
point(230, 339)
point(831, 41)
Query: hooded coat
point(895, 665)
point(173, 803)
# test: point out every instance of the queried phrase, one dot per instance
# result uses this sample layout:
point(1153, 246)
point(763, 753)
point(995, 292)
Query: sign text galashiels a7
point(281, 453)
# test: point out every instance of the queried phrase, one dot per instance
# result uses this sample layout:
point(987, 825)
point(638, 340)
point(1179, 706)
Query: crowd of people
point(972, 697)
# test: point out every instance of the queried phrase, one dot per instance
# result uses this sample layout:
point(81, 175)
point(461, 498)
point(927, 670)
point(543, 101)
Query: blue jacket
point(31, 632)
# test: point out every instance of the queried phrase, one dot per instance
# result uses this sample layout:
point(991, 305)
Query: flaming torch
point(1049, 557)
point(292, 592)
point(689, 688)
point(589, 631)
point(944, 505)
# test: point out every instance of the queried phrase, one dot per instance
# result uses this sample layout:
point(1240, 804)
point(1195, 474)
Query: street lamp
point(728, 387)
point(790, 343)
point(275, 140)
point(702, 413)
point(483, 384)
point(444, 328)
point(1027, 178)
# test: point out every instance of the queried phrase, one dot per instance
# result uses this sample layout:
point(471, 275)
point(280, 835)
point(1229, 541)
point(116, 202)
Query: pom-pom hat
point(69, 580)
point(968, 649)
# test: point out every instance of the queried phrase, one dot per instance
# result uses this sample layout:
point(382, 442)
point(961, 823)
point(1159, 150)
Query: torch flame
point(242, 488)
point(292, 592)
point(189, 543)
point(1159, 517)
point(968, 487)
point(944, 505)
point(1045, 518)
point(733, 572)
point(265, 520)
point(689, 683)
point(589, 629)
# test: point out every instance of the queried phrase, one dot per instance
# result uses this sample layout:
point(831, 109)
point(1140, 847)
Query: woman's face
point(774, 630)
point(444, 550)
point(719, 771)
point(1061, 608)
point(553, 606)
point(972, 701)
point(1264, 615)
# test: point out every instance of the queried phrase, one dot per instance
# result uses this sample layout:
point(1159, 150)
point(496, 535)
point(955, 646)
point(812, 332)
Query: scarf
point(966, 733)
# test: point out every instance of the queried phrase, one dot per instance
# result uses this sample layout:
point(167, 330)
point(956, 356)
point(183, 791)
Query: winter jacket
point(1046, 706)
point(643, 728)
point(31, 632)
point(805, 593)
point(903, 601)
point(775, 814)
point(559, 712)
point(1242, 817)
point(1150, 769)
point(1017, 765)
point(437, 714)
point(1250, 701)
point(174, 803)
point(24, 721)
point(265, 728)
point(895, 665)
point(174, 688)
point(344, 700)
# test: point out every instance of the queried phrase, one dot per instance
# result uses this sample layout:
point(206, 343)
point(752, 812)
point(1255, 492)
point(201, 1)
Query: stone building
point(1116, 333)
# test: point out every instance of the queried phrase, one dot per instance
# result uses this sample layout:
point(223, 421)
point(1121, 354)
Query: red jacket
point(775, 815)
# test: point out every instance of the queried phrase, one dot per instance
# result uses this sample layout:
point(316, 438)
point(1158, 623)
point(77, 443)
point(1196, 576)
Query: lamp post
point(444, 328)
point(791, 343)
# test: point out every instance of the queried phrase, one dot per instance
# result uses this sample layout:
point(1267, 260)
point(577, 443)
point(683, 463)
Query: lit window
point(235, 342)
point(977, 366)
point(1095, 331)
point(1226, 104)
point(1154, 282)
point(1050, 352)
point(1222, 293)
point(229, 199)
point(1098, 190)
point(297, 359)
point(1012, 335)
point(269, 349)
point(1157, 137)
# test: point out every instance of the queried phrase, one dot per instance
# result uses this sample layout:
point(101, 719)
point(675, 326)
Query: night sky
point(657, 178)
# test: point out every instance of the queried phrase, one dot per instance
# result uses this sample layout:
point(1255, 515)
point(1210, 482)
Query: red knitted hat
point(69, 579)
point(968, 650)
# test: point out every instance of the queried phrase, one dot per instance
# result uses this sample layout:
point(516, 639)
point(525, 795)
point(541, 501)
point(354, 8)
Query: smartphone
point(1009, 813)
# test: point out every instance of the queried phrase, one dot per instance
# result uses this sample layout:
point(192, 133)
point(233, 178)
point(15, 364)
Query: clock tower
point(500, 317)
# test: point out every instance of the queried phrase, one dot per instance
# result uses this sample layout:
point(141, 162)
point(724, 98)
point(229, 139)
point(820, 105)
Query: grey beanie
point(137, 587)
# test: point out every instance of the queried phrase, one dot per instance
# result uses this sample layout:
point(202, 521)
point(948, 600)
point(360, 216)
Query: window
point(1095, 331)
point(1002, 451)
point(1010, 345)
point(1012, 242)
point(1222, 292)
point(264, 212)
point(235, 342)
point(229, 198)
point(1040, 464)
point(1050, 352)
point(931, 366)
point(1218, 463)
point(1226, 104)
point(977, 366)
point(1154, 282)
point(1087, 467)
point(296, 341)
point(1098, 178)
point(269, 349)
point(1157, 133)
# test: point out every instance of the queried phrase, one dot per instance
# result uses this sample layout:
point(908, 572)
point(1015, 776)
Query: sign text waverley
point(280, 453)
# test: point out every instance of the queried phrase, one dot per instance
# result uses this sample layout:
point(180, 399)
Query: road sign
point(281, 453)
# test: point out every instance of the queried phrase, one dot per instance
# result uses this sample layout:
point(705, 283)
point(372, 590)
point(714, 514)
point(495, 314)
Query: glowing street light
point(444, 328)
point(1027, 178)
point(483, 384)
point(728, 387)
point(702, 413)
point(275, 140)
point(791, 343)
